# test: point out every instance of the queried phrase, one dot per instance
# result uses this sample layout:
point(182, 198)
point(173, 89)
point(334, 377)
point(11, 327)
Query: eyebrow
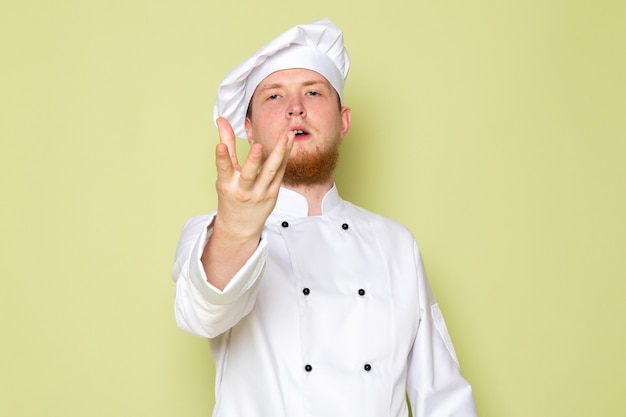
point(304, 84)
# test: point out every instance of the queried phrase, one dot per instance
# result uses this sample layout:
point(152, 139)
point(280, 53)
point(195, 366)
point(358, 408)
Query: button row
point(367, 367)
point(307, 291)
point(343, 226)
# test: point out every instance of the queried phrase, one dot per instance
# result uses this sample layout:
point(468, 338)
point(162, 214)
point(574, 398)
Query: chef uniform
point(332, 316)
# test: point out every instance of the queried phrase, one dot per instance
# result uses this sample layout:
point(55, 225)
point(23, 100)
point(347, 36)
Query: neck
point(314, 194)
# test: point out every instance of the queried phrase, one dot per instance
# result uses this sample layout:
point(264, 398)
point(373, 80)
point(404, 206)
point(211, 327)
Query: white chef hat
point(317, 46)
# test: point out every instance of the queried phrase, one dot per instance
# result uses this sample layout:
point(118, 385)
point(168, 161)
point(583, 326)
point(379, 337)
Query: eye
point(313, 93)
point(273, 97)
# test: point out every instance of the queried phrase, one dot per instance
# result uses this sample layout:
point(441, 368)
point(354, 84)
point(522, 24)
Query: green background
point(495, 130)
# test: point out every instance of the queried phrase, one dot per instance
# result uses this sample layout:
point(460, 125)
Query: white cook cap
point(316, 46)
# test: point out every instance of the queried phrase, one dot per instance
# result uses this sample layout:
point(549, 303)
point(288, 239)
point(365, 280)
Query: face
point(303, 101)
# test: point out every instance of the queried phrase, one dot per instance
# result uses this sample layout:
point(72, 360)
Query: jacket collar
point(294, 204)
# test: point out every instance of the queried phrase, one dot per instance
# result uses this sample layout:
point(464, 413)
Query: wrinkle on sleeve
point(199, 307)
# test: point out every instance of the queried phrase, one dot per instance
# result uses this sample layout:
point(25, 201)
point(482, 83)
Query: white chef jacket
point(332, 316)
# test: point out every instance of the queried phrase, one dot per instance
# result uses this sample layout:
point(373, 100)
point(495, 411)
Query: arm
point(199, 307)
point(436, 387)
point(220, 257)
point(246, 197)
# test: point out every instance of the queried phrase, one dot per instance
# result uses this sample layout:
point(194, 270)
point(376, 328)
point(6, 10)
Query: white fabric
point(296, 56)
point(366, 350)
point(317, 46)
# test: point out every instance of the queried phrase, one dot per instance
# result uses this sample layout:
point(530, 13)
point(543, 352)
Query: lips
point(300, 132)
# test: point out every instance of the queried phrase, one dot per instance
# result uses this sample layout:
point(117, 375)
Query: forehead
point(292, 77)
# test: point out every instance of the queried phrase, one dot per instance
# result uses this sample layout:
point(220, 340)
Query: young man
point(313, 306)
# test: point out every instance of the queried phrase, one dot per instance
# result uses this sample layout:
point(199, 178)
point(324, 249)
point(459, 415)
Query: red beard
point(311, 168)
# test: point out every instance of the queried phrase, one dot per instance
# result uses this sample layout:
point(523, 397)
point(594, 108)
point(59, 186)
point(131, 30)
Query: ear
point(346, 120)
point(248, 127)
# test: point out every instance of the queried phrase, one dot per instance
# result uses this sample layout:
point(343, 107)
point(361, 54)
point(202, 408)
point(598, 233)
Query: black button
point(345, 226)
point(285, 224)
point(367, 367)
point(361, 292)
point(306, 291)
point(308, 368)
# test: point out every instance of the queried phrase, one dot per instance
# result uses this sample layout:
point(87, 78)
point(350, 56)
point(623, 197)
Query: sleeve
point(199, 307)
point(435, 385)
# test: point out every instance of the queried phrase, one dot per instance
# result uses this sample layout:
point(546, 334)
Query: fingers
point(271, 173)
point(222, 161)
point(227, 137)
point(255, 172)
point(251, 166)
point(267, 173)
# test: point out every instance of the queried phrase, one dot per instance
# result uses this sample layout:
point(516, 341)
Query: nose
point(295, 109)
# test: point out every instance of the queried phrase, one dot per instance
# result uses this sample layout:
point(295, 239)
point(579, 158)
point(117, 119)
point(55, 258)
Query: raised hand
point(246, 196)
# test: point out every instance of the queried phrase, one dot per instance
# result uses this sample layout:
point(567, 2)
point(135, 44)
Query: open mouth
point(300, 132)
